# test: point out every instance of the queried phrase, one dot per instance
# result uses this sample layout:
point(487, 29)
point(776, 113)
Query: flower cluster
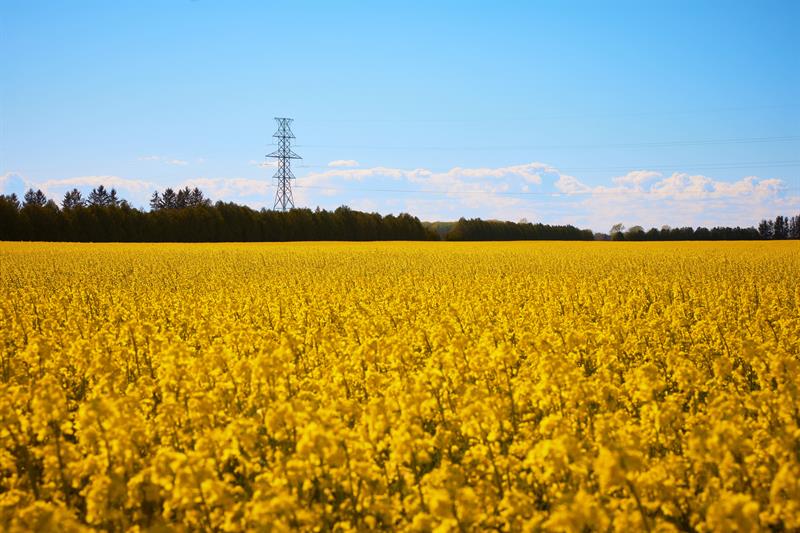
point(414, 386)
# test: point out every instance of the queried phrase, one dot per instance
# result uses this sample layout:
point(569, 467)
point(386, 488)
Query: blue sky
point(591, 113)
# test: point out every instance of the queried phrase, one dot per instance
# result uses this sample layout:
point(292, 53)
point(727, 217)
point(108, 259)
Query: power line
point(497, 193)
point(577, 114)
point(645, 166)
point(705, 166)
point(652, 144)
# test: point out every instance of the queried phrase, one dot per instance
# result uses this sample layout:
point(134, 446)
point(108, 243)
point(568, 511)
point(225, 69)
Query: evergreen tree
point(155, 202)
point(169, 200)
point(196, 198)
point(35, 198)
point(99, 197)
point(11, 200)
point(10, 225)
point(72, 199)
point(182, 198)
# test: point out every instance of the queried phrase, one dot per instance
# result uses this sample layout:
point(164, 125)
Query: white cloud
point(93, 181)
point(255, 193)
point(535, 191)
point(529, 172)
point(134, 190)
point(570, 185)
point(539, 191)
point(677, 185)
point(343, 163)
point(679, 199)
point(490, 189)
point(366, 205)
point(230, 188)
point(457, 176)
point(636, 178)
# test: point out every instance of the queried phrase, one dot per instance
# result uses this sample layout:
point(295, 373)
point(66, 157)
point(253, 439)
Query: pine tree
point(155, 202)
point(35, 198)
point(99, 197)
point(169, 200)
point(182, 198)
point(197, 199)
point(72, 199)
point(11, 200)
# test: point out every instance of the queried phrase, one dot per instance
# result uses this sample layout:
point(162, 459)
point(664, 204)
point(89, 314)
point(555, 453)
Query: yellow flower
point(408, 386)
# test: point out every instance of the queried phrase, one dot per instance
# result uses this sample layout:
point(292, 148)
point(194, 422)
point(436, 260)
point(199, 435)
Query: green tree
point(794, 227)
point(100, 197)
point(765, 229)
point(169, 200)
point(780, 229)
point(34, 198)
point(72, 199)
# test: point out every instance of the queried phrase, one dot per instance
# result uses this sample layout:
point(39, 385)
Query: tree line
point(186, 215)
point(475, 229)
point(781, 228)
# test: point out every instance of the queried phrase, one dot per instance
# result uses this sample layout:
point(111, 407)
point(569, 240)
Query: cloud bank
point(540, 191)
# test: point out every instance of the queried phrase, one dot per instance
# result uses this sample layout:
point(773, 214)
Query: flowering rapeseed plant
point(438, 386)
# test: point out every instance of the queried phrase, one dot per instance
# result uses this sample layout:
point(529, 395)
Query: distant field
point(465, 386)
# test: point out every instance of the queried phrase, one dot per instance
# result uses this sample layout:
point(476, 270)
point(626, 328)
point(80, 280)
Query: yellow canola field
point(412, 386)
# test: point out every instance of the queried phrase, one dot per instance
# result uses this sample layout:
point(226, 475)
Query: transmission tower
point(283, 155)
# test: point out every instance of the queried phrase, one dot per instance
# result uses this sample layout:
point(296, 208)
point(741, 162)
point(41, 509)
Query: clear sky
point(591, 113)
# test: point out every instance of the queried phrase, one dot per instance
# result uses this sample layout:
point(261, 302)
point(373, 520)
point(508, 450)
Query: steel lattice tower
point(283, 155)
